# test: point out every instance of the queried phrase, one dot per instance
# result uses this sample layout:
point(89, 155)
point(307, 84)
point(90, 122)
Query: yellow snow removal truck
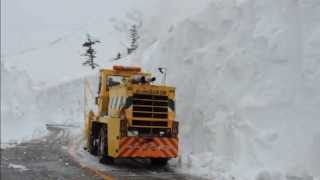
point(134, 118)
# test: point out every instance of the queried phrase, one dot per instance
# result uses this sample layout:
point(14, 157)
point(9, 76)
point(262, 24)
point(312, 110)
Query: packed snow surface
point(248, 85)
point(18, 166)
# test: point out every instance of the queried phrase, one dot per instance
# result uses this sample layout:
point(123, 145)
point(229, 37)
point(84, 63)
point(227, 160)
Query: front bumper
point(148, 147)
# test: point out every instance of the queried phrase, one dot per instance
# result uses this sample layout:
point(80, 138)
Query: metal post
point(163, 71)
point(165, 76)
point(84, 98)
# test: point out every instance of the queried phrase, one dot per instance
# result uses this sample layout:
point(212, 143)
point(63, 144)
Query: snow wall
point(64, 103)
point(248, 87)
point(26, 108)
point(20, 118)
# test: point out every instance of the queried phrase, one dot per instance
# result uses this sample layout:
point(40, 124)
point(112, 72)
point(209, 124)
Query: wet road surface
point(59, 156)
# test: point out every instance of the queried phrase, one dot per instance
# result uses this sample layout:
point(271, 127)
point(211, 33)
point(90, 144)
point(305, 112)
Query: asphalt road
point(59, 156)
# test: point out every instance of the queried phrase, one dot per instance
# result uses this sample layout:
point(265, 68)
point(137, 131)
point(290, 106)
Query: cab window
point(115, 80)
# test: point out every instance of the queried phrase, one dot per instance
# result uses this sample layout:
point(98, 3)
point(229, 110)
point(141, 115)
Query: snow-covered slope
point(248, 82)
point(20, 118)
point(26, 108)
point(64, 103)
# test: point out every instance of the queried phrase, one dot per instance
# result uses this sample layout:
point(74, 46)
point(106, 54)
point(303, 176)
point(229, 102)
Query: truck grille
point(150, 106)
point(149, 123)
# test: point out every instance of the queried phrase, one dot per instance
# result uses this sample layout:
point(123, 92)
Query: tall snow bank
point(248, 93)
point(64, 103)
point(26, 108)
point(20, 118)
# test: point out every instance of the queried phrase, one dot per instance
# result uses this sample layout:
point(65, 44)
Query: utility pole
point(90, 52)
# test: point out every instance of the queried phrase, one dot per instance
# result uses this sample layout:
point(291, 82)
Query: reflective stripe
point(153, 147)
point(128, 102)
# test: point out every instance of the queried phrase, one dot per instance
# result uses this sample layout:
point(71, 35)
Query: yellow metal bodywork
point(113, 136)
point(109, 114)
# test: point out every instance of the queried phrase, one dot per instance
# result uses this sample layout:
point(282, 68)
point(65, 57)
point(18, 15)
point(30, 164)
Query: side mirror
point(97, 100)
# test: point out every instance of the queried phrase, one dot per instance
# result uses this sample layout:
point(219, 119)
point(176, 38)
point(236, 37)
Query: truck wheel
point(93, 145)
point(103, 147)
point(159, 161)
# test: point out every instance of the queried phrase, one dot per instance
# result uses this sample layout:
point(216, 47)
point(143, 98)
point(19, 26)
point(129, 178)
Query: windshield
point(115, 80)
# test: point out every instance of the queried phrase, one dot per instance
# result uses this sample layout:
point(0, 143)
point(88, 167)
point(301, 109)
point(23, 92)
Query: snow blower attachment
point(135, 118)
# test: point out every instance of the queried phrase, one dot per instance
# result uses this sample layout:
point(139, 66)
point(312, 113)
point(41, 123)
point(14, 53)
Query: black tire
point(103, 147)
point(93, 145)
point(159, 161)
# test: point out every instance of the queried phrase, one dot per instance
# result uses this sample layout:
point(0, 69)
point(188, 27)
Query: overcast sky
point(27, 24)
